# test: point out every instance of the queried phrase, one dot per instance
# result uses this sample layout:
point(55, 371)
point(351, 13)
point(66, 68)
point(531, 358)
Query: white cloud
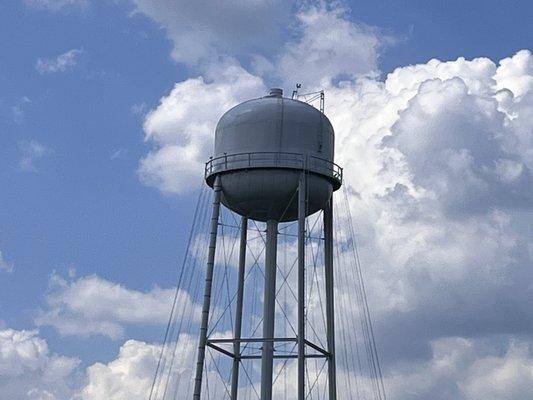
point(452, 142)
point(466, 369)
point(61, 63)
point(4, 264)
point(329, 47)
point(92, 305)
point(32, 151)
point(507, 377)
point(29, 371)
point(202, 31)
point(458, 368)
point(516, 73)
point(440, 183)
point(181, 127)
point(130, 375)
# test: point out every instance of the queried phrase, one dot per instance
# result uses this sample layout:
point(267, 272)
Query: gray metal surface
point(207, 290)
point(271, 194)
point(269, 304)
point(275, 124)
point(330, 303)
point(270, 160)
point(302, 208)
point(238, 310)
point(261, 146)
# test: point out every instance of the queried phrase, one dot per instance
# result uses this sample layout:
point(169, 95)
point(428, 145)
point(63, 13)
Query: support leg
point(207, 291)
point(330, 305)
point(238, 310)
point(302, 208)
point(267, 359)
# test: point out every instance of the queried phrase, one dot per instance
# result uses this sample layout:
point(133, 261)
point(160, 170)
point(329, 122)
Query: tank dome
point(261, 148)
point(275, 124)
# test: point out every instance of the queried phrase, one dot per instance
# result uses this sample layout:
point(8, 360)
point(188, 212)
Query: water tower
point(273, 162)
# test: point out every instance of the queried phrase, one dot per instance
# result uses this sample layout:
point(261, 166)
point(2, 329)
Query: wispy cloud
point(61, 63)
point(31, 151)
point(18, 109)
point(119, 153)
point(139, 108)
point(56, 5)
point(4, 265)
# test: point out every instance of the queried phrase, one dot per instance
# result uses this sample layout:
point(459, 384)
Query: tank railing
point(325, 166)
point(272, 160)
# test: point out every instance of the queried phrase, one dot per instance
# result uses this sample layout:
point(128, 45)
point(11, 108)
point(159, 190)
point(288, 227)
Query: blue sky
point(72, 136)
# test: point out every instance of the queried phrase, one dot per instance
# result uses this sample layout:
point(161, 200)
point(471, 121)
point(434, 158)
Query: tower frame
point(268, 340)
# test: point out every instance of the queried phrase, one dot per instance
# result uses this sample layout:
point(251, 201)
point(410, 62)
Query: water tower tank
point(261, 147)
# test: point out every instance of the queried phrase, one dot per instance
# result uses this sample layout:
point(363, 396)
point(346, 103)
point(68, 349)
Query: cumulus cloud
point(127, 377)
point(130, 375)
point(453, 142)
point(94, 306)
point(458, 368)
point(61, 63)
point(500, 377)
point(181, 128)
point(516, 74)
point(437, 159)
point(204, 30)
point(466, 369)
point(330, 46)
point(28, 370)
point(438, 175)
point(441, 187)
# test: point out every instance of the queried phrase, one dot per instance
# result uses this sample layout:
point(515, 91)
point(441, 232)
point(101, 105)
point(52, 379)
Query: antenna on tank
point(295, 92)
point(310, 97)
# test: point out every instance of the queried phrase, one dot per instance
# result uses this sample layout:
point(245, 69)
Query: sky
point(107, 114)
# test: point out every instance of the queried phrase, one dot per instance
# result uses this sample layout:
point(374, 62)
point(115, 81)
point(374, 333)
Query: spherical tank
point(262, 146)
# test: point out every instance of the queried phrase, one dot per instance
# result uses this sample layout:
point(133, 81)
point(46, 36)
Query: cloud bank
point(438, 160)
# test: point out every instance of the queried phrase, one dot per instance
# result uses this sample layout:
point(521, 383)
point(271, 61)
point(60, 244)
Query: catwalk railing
point(237, 161)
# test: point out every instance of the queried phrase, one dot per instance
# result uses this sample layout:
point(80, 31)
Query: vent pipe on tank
point(275, 92)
